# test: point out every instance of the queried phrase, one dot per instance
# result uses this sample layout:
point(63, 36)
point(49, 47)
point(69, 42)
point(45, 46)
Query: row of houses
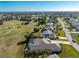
point(48, 30)
point(40, 43)
point(74, 23)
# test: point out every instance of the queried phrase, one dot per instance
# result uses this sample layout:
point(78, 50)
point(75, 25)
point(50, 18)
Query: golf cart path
point(6, 32)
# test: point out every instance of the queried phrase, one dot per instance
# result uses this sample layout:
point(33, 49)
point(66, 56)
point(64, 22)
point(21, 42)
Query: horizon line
point(41, 11)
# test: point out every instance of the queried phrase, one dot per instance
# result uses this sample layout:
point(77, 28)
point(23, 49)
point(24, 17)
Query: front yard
point(68, 52)
point(75, 36)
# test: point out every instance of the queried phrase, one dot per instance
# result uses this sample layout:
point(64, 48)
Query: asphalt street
point(69, 38)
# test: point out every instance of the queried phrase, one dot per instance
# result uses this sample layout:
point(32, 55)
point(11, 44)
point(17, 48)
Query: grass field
point(75, 36)
point(68, 52)
point(11, 32)
point(66, 24)
point(60, 33)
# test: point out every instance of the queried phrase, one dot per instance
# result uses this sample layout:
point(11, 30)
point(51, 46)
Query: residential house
point(40, 44)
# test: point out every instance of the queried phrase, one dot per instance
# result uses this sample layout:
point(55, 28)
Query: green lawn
point(62, 40)
point(60, 33)
point(12, 32)
point(66, 24)
point(75, 36)
point(68, 52)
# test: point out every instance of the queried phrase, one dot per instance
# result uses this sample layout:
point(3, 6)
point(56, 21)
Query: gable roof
point(36, 44)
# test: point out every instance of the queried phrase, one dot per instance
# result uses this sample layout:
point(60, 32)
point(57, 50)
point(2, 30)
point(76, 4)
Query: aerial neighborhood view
point(38, 32)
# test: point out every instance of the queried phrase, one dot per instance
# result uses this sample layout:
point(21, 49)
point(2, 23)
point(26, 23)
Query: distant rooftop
point(47, 32)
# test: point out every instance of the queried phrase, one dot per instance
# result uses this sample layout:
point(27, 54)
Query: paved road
point(75, 45)
point(74, 32)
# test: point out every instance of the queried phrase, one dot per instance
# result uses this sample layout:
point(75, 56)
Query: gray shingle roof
point(35, 44)
point(47, 32)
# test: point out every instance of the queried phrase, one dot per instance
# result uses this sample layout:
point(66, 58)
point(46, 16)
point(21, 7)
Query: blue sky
point(10, 6)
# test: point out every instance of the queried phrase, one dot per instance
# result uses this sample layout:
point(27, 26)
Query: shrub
point(26, 23)
point(36, 29)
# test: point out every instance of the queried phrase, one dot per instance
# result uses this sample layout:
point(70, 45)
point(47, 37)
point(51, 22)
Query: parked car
point(73, 41)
